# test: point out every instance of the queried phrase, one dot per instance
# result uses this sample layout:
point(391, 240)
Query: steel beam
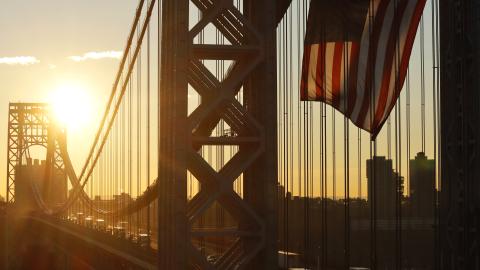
point(173, 139)
point(260, 184)
point(460, 135)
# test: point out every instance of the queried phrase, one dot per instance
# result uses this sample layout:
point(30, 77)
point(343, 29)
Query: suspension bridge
point(205, 157)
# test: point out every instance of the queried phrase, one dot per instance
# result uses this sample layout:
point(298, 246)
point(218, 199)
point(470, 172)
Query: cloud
point(19, 60)
point(96, 56)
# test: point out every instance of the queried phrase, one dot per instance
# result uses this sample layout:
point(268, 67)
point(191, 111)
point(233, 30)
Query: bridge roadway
point(96, 249)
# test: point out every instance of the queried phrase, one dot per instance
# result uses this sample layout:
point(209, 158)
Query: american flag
point(356, 56)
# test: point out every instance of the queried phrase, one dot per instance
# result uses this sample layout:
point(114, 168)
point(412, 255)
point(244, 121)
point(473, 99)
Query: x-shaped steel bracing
point(218, 101)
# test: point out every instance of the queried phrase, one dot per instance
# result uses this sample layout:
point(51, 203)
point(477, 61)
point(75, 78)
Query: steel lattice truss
point(219, 102)
point(28, 125)
point(247, 51)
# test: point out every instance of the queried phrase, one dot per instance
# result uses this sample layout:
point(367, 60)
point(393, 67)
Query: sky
point(51, 45)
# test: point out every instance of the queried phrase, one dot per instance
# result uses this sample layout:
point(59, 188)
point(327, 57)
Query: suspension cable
point(115, 85)
point(79, 186)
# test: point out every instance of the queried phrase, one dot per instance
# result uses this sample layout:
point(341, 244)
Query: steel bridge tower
point(460, 121)
point(252, 37)
point(29, 125)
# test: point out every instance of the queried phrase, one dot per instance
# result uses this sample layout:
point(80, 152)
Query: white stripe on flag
point(382, 54)
point(363, 61)
point(405, 26)
point(380, 59)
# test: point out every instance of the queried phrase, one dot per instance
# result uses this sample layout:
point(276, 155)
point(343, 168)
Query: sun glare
point(72, 107)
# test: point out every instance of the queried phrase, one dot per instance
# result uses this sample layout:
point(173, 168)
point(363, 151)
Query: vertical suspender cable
point(347, 192)
point(283, 119)
point(305, 177)
point(435, 87)
point(373, 217)
point(398, 156)
point(422, 79)
point(159, 71)
point(359, 164)
point(400, 189)
point(346, 195)
point(326, 169)
point(325, 188)
point(347, 159)
point(285, 86)
point(322, 191)
point(408, 129)
point(373, 150)
point(397, 187)
point(311, 196)
point(124, 152)
point(115, 159)
point(148, 127)
point(334, 157)
point(299, 151)
point(389, 138)
point(326, 158)
point(139, 133)
point(130, 150)
point(282, 149)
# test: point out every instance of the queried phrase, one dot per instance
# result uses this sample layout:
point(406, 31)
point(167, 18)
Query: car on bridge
point(143, 240)
point(73, 219)
point(89, 222)
point(109, 229)
point(100, 224)
point(80, 218)
point(119, 232)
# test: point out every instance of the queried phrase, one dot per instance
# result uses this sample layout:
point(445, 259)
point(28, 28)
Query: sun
point(72, 106)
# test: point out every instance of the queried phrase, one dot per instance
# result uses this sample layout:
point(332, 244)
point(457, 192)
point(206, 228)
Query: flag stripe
point(410, 39)
point(397, 80)
point(352, 78)
point(389, 61)
point(320, 64)
point(363, 60)
point(336, 73)
point(382, 59)
point(369, 88)
point(329, 59)
point(312, 70)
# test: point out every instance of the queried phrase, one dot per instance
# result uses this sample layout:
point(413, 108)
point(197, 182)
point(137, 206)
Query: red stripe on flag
point(336, 73)
point(320, 73)
point(352, 78)
point(372, 58)
point(412, 32)
point(390, 57)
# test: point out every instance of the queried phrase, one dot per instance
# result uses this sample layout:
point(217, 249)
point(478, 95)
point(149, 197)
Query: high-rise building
point(385, 180)
point(422, 181)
